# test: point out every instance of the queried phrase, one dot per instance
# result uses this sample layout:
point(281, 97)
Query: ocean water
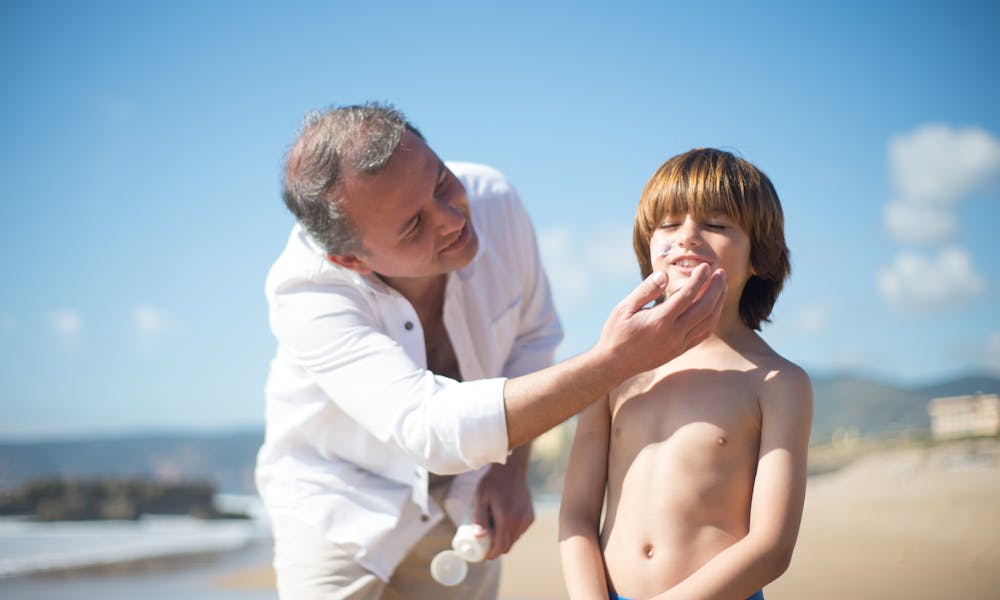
point(153, 558)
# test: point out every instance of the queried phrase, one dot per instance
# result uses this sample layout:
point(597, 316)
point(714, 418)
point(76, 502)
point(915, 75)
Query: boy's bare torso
point(682, 458)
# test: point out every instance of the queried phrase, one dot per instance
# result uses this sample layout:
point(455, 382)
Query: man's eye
point(413, 229)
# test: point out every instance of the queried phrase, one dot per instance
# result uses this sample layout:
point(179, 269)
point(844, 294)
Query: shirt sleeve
point(332, 330)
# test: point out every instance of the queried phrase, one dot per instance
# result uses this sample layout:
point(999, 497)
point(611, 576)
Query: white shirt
point(355, 420)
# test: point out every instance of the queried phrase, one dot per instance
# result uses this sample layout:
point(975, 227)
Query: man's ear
point(351, 262)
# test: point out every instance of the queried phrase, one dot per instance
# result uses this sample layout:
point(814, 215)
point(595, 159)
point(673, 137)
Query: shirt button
point(408, 325)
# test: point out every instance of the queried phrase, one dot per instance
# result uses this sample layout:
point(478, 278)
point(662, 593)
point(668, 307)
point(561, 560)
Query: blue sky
point(142, 146)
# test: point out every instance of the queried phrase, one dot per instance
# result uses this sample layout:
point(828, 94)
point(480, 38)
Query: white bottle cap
point(448, 568)
point(468, 545)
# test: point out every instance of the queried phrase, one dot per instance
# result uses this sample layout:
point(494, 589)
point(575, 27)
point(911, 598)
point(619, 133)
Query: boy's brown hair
point(707, 181)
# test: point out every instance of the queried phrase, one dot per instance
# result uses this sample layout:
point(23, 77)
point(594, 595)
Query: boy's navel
point(722, 441)
point(648, 550)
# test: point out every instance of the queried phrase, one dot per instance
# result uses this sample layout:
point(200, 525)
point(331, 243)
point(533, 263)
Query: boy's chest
point(701, 407)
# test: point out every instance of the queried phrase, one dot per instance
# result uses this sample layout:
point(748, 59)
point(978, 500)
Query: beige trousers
point(311, 567)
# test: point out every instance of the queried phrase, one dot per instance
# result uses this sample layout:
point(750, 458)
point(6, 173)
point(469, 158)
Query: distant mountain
point(875, 408)
point(226, 459)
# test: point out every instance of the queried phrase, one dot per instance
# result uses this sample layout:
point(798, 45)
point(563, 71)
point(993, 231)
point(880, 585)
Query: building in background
point(965, 416)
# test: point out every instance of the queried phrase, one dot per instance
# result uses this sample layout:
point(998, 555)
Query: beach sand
point(908, 523)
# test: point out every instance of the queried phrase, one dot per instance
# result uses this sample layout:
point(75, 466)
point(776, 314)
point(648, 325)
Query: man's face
point(413, 216)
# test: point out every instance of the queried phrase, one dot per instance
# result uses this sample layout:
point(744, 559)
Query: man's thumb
point(649, 290)
point(481, 514)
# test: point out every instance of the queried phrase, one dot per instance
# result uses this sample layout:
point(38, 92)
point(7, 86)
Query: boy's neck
point(732, 331)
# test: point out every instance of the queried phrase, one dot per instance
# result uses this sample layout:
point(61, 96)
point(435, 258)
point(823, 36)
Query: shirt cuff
point(482, 425)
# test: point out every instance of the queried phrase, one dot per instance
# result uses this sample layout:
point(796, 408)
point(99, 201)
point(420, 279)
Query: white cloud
point(916, 223)
point(914, 284)
point(579, 262)
point(65, 322)
point(608, 251)
point(569, 279)
point(939, 164)
point(150, 321)
point(812, 320)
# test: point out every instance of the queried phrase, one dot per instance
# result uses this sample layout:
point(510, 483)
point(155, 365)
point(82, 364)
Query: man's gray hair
point(358, 138)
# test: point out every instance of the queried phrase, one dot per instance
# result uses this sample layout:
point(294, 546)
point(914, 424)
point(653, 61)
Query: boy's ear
point(351, 262)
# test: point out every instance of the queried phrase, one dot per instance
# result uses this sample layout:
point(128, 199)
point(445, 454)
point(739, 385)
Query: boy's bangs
point(701, 201)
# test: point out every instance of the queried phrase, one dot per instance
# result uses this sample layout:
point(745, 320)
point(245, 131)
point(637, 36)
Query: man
point(415, 332)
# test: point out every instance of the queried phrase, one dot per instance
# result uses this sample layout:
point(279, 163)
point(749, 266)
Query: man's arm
point(329, 329)
point(778, 497)
point(582, 501)
point(634, 339)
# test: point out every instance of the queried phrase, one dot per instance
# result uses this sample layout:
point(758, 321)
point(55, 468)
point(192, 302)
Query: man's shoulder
point(301, 259)
point(481, 180)
point(474, 170)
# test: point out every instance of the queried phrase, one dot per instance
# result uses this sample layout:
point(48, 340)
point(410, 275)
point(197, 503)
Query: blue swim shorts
point(759, 595)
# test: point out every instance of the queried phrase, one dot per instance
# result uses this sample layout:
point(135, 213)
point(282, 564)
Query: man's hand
point(503, 502)
point(643, 339)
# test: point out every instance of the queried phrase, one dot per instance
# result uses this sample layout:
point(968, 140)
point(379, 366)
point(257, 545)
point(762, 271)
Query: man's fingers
point(703, 328)
point(649, 290)
point(700, 318)
point(689, 290)
point(481, 513)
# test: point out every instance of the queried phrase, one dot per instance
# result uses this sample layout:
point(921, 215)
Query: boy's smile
point(683, 242)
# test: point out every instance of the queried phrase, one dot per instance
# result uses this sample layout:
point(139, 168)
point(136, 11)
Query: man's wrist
point(520, 457)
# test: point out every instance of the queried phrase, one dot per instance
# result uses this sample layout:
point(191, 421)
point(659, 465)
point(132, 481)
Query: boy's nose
point(687, 235)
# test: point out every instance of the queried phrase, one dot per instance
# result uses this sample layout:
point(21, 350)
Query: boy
point(701, 461)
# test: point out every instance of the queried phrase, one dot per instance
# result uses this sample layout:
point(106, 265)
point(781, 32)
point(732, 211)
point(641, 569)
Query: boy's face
point(682, 242)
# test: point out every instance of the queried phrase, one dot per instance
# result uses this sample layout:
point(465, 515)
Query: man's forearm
point(634, 339)
point(539, 401)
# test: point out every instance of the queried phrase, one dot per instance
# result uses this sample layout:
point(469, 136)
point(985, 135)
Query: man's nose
point(449, 217)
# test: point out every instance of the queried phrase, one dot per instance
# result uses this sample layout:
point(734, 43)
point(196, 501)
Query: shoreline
point(911, 521)
point(915, 521)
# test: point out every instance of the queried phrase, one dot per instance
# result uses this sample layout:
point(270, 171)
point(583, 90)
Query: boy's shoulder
point(758, 352)
point(774, 364)
point(784, 379)
point(759, 363)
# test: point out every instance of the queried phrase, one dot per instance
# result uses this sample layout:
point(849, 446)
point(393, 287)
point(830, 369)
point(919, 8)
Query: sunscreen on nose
point(450, 567)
